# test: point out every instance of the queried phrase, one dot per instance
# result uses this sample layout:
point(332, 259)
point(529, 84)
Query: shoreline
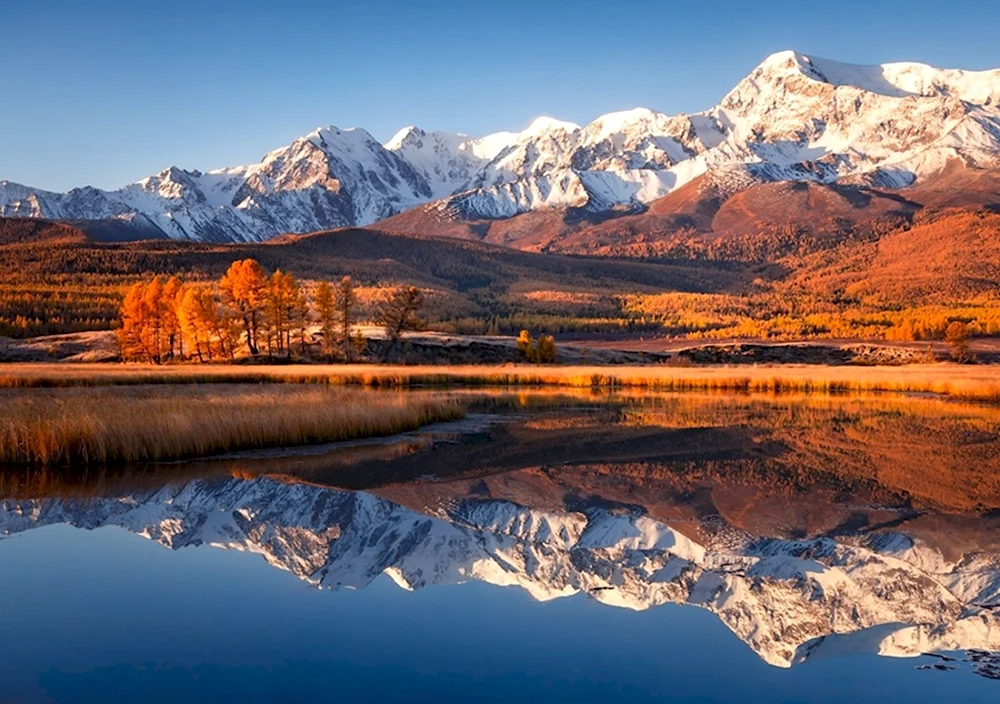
point(967, 382)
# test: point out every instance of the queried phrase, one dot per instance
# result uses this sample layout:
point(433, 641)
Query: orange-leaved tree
point(208, 330)
point(346, 304)
point(326, 311)
point(957, 337)
point(244, 287)
point(287, 312)
point(133, 323)
point(173, 293)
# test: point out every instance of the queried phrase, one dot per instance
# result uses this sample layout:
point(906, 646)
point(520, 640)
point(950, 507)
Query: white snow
point(789, 600)
point(793, 117)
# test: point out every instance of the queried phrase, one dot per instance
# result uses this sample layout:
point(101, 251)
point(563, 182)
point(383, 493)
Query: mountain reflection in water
point(810, 526)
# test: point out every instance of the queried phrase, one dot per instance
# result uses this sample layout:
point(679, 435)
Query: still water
point(653, 548)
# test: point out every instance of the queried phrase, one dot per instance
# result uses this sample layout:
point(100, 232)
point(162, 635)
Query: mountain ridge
point(793, 118)
point(783, 597)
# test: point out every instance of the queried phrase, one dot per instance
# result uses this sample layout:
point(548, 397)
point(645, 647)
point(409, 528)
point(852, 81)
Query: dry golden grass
point(979, 383)
point(58, 427)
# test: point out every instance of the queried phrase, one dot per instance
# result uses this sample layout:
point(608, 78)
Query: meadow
point(65, 415)
point(150, 423)
point(969, 382)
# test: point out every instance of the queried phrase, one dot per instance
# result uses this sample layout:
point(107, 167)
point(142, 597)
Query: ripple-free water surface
point(668, 560)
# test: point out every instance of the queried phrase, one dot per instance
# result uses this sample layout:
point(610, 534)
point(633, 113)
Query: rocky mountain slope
point(787, 599)
point(794, 118)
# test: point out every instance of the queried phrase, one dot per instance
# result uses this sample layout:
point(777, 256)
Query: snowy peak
point(408, 135)
point(544, 125)
point(895, 80)
point(794, 117)
point(446, 162)
point(785, 598)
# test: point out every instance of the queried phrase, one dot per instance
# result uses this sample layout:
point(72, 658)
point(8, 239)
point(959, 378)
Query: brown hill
point(27, 231)
point(716, 258)
point(953, 255)
point(534, 231)
point(958, 187)
point(711, 217)
point(59, 279)
point(31, 231)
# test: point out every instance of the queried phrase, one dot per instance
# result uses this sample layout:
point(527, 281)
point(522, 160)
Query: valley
point(817, 200)
point(522, 352)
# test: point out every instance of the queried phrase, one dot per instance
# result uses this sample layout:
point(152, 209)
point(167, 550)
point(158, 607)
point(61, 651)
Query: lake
point(551, 546)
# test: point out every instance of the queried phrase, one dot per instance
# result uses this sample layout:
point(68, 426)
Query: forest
point(58, 280)
point(249, 312)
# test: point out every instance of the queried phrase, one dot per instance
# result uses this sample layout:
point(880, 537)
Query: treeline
point(513, 323)
point(798, 316)
point(250, 312)
point(29, 310)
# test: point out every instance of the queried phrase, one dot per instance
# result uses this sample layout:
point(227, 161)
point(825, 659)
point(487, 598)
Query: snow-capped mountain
point(787, 599)
point(793, 118)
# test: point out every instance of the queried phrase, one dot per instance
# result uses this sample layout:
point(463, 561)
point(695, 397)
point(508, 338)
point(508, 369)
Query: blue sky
point(104, 93)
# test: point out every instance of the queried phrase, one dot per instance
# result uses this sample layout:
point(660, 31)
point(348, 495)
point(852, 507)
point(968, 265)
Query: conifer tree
point(301, 318)
point(398, 313)
point(133, 323)
point(244, 286)
point(172, 294)
point(346, 301)
point(155, 308)
point(195, 318)
point(326, 311)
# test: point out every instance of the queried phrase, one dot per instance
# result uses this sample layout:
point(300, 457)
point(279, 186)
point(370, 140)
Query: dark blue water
point(107, 616)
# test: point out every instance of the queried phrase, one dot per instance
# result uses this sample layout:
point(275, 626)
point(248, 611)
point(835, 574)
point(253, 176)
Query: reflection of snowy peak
point(786, 599)
point(793, 118)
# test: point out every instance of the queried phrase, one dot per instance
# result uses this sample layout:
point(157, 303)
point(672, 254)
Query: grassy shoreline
point(977, 383)
point(115, 425)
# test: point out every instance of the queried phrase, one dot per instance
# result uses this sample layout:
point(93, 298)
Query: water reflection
point(809, 526)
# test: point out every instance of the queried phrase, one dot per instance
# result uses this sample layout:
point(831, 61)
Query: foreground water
point(675, 548)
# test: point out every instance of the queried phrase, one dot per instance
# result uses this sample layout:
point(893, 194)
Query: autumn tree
point(133, 323)
point(156, 312)
point(245, 287)
point(287, 313)
point(346, 301)
point(197, 318)
point(172, 295)
point(525, 343)
point(275, 312)
point(326, 311)
point(957, 337)
point(210, 330)
point(540, 351)
point(189, 320)
point(398, 313)
point(302, 319)
point(545, 350)
point(149, 324)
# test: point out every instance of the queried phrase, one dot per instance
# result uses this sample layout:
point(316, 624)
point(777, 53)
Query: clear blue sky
point(107, 92)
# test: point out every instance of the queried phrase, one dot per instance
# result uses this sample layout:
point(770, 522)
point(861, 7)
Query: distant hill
point(49, 265)
point(716, 257)
point(721, 218)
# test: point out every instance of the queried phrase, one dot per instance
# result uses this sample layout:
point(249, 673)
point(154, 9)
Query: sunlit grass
point(55, 427)
point(979, 383)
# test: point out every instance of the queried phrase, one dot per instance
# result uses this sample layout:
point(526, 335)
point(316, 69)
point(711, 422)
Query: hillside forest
point(907, 284)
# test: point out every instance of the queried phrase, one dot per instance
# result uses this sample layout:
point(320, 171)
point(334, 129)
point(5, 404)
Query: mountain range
point(789, 600)
point(846, 138)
